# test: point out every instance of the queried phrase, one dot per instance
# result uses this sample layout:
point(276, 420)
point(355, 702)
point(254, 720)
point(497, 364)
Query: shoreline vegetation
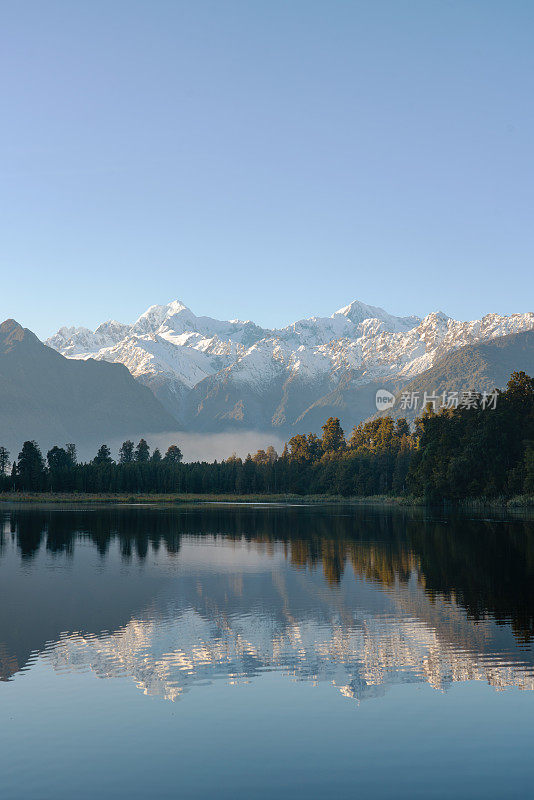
point(467, 454)
point(77, 498)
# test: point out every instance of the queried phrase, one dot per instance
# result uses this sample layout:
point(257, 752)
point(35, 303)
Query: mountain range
point(212, 375)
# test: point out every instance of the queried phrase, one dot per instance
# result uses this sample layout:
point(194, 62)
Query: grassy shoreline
point(179, 499)
point(519, 502)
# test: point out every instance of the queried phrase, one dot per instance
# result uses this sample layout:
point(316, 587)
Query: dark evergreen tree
point(304, 449)
point(58, 459)
point(71, 450)
point(126, 452)
point(333, 440)
point(60, 469)
point(142, 452)
point(103, 456)
point(173, 454)
point(4, 460)
point(31, 474)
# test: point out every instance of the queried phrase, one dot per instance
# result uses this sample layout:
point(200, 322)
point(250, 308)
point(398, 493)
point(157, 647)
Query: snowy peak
point(437, 322)
point(176, 319)
point(112, 329)
point(156, 315)
point(208, 371)
point(358, 313)
point(72, 342)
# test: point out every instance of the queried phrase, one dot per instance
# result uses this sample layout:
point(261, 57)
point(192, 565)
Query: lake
point(246, 651)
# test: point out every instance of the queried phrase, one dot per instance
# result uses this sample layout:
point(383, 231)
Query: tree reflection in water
point(388, 594)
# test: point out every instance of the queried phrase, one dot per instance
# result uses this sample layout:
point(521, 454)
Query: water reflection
point(362, 598)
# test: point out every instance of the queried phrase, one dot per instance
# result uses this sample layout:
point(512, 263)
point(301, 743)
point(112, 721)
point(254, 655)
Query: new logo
point(384, 399)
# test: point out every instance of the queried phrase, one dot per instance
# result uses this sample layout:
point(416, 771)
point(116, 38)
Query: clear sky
point(265, 159)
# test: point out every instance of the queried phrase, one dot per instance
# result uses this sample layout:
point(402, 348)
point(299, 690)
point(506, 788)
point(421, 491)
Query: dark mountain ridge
point(52, 399)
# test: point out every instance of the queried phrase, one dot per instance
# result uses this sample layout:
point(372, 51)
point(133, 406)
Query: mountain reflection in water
point(363, 598)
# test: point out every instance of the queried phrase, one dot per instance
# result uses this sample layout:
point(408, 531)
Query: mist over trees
point(463, 452)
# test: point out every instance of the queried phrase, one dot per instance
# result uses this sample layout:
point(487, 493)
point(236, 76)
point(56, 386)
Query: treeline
point(463, 452)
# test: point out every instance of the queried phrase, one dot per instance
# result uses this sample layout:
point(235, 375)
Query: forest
point(458, 453)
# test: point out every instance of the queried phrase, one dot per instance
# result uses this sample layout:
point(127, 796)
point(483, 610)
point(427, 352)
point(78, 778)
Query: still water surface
point(261, 652)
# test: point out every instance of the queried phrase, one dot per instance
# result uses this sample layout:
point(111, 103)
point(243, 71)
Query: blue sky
point(265, 160)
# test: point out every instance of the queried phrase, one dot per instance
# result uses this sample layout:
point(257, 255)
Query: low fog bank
point(197, 446)
point(211, 446)
point(194, 446)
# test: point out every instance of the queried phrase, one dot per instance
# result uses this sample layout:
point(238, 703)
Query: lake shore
point(518, 502)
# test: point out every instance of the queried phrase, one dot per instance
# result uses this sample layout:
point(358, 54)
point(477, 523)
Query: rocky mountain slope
point(54, 400)
point(213, 375)
point(480, 367)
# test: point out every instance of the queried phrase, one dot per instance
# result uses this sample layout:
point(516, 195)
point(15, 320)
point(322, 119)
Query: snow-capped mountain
point(214, 375)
